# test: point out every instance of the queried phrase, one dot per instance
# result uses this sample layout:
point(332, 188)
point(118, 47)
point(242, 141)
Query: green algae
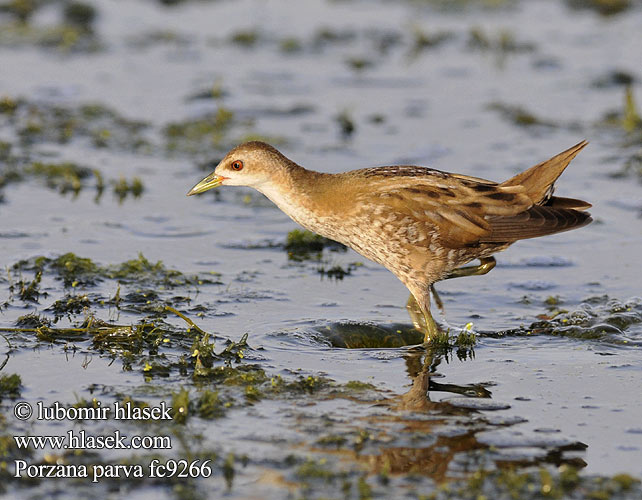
point(10, 386)
point(245, 38)
point(519, 116)
point(290, 45)
point(627, 118)
point(80, 14)
point(76, 271)
point(423, 40)
point(202, 134)
point(305, 245)
point(68, 177)
point(27, 291)
point(603, 7)
point(346, 124)
point(100, 126)
point(65, 37)
point(502, 43)
point(338, 272)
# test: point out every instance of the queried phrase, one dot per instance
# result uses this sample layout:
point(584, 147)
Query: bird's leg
point(486, 264)
point(421, 318)
point(437, 298)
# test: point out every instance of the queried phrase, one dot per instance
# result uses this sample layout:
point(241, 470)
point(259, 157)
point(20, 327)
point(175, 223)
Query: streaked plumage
point(418, 222)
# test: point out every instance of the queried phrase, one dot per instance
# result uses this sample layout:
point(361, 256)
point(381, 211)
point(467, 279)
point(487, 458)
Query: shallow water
point(548, 395)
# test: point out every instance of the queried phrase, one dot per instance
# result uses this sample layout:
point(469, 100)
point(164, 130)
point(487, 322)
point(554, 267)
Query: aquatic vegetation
point(423, 40)
point(338, 272)
point(71, 178)
point(74, 34)
point(100, 126)
point(80, 14)
point(263, 390)
point(10, 386)
point(503, 43)
point(600, 318)
point(303, 245)
point(27, 291)
point(628, 118)
point(290, 45)
point(604, 7)
point(614, 78)
point(359, 64)
point(519, 116)
point(202, 134)
point(245, 38)
point(346, 124)
point(79, 273)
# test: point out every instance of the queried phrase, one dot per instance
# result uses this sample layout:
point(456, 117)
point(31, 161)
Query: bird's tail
point(539, 180)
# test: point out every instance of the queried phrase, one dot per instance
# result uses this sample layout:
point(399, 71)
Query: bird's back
point(440, 220)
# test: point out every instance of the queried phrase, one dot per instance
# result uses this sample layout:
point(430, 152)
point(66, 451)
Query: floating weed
point(544, 482)
point(599, 318)
point(28, 291)
point(21, 10)
point(356, 385)
point(142, 272)
point(69, 306)
point(201, 134)
point(123, 188)
point(326, 36)
point(245, 38)
point(63, 177)
point(10, 386)
point(359, 64)
point(209, 405)
point(614, 78)
point(628, 118)
point(215, 91)
point(422, 40)
point(519, 116)
point(502, 43)
point(180, 406)
point(80, 14)
point(69, 36)
point(228, 471)
point(33, 320)
point(102, 127)
point(316, 470)
point(290, 45)
point(338, 272)
point(304, 245)
point(74, 270)
point(346, 124)
point(604, 7)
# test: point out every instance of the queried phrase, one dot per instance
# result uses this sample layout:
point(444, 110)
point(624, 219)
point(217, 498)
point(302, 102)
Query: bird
point(422, 224)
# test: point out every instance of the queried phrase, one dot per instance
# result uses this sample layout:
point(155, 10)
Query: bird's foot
point(485, 266)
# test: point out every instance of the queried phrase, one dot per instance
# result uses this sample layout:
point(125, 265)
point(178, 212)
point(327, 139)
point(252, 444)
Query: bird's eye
point(237, 165)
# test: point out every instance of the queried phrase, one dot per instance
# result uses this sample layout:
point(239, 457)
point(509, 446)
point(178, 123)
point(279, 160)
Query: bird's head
point(250, 164)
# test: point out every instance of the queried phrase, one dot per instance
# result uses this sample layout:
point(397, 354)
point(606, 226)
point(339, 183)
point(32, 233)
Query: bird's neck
point(302, 195)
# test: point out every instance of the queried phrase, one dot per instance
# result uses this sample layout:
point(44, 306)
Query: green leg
point(486, 264)
point(422, 320)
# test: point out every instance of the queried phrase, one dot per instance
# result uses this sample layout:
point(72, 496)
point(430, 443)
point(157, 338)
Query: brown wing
point(464, 211)
point(458, 209)
point(534, 222)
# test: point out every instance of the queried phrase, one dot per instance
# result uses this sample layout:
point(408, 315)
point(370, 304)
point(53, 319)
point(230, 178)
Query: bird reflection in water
point(438, 439)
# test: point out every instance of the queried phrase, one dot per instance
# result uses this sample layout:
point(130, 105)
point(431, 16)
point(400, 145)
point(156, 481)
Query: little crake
point(421, 224)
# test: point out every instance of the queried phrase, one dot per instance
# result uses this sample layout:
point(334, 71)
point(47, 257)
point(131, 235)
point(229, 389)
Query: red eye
point(237, 165)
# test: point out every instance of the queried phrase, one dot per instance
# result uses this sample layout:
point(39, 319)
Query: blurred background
point(110, 111)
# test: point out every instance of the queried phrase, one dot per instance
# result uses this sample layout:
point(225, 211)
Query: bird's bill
point(211, 181)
